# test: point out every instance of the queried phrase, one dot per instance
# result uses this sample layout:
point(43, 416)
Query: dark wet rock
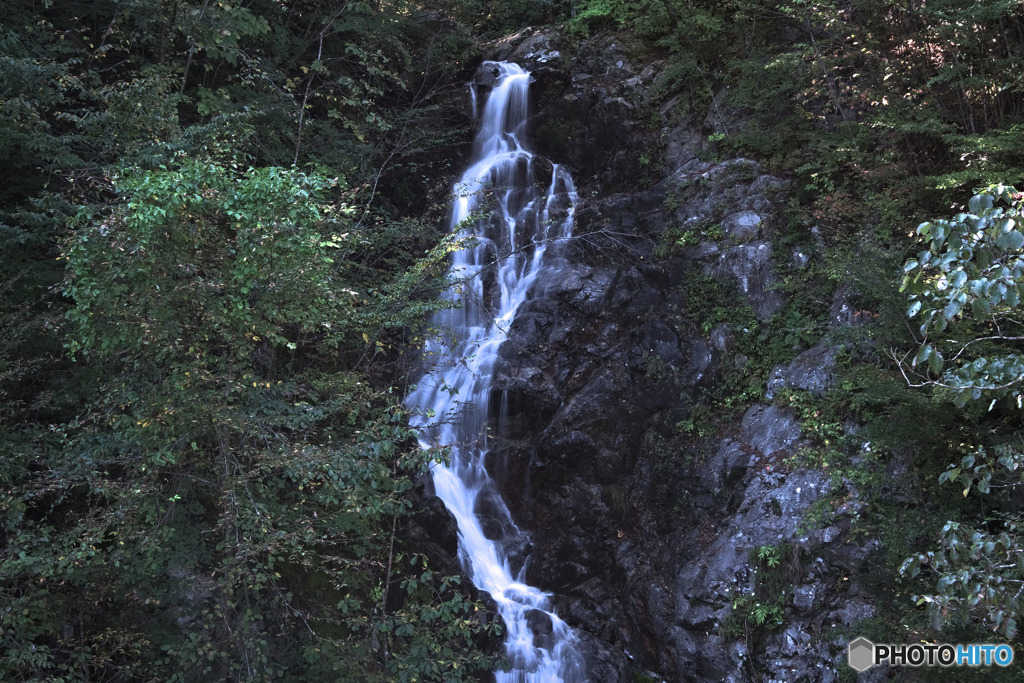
point(749, 266)
point(644, 538)
point(493, 515)
point(529, 47)
point(683, 146)
point(812, 371)
point(842, 312)
point(432, 528)
point(190, 590)
point(803, 597)
point(725, 469)
point(769, 429)
point(722, 338)
point(742, 226)
point(723, 117)
point(539, 622)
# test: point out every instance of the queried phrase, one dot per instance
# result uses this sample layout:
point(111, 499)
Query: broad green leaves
point(964, 289)
point(972, 268)
point(978, 571)
point(973, 261)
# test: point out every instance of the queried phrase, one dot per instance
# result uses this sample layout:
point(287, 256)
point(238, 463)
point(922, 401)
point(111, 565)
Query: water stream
point(515, 221)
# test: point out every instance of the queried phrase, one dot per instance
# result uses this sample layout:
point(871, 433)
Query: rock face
point(647, 540)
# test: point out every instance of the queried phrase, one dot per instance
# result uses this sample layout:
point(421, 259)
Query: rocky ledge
point(651, 542)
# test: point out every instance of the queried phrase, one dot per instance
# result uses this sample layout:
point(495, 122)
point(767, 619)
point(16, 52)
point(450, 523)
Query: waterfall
point(503, 258)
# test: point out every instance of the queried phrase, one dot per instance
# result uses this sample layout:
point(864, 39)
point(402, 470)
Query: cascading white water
point(450, 404)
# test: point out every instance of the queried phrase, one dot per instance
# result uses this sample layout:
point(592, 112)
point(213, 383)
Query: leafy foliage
point(973, 263)
point(979, 572)
point(762, 609)
point(216, 473)
point(207, 472)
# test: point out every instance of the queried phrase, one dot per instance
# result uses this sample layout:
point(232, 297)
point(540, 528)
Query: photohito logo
point(862, 654)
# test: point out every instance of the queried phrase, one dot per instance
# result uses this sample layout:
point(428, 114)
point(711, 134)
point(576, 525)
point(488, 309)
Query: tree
point(974, 264)
point(224, 468)
point(965, 287)
point(229, 499)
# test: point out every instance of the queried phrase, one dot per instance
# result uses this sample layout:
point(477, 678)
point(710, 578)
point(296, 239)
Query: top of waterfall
point(506, 110)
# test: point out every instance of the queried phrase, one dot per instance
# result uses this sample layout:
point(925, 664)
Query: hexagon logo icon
point(861, 654)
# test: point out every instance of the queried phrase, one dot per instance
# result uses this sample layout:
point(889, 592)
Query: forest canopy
point(207, 468)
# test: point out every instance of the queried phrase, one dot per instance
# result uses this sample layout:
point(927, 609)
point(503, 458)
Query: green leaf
point(980, 203)
point(981, 308)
